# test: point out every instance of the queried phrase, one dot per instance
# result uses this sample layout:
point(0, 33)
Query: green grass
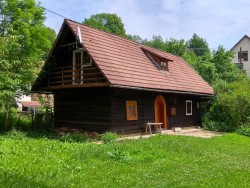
point(160, 161)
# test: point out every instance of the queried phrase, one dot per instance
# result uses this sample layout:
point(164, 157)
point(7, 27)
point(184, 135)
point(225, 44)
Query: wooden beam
point(103, 84)
point(68, 44)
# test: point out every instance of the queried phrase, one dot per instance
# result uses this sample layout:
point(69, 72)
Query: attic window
point(160, 62)
point(164, 65)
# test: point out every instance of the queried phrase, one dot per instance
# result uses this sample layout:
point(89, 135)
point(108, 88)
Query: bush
point(245, 130)
point(231, 107)
point(15, 134)
point(73, 137)
point(109, 137)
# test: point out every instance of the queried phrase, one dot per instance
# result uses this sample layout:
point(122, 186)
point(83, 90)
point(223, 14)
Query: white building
point(241, 53)
point(25, 103)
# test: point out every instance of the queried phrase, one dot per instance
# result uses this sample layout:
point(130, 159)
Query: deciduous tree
point(107, 22)
point(24, 42)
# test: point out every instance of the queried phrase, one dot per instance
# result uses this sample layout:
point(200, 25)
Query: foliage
point(198, 45)
point(24, 41)
point(109, 137)
point(231, 108)
point(135, 38)
point(107, 22)
point(73, 137)
point(15, 134)
point(186, 161)
point(244, 130)
point(177, 47)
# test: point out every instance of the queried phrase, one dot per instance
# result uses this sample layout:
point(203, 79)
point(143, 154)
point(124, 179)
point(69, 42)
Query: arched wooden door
point(160, 110)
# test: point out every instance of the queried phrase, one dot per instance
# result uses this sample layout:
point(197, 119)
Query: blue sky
point(220, 22)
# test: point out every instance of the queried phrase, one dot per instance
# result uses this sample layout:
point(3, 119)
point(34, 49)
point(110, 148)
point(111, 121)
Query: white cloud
point(221, 22)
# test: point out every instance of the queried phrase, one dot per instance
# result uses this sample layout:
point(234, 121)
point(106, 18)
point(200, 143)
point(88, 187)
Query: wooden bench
point(149, 126)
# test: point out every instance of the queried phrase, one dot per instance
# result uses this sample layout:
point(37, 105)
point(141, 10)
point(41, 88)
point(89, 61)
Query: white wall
point(22, 98)
point(245, 46)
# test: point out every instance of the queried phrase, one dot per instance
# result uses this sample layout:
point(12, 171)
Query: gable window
point(131, 109)
point(81, 59)
point(242, 56)
point(188, 107)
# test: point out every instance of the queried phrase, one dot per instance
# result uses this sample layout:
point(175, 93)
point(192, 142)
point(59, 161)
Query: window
point(188, 107)
point(131, 108)
point(163, 65)
point(81, 59)
point(242, 56)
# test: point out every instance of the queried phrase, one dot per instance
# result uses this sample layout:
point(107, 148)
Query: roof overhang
point(163, 91)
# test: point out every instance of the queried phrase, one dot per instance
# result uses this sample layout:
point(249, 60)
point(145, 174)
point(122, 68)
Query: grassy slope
point(161, 161)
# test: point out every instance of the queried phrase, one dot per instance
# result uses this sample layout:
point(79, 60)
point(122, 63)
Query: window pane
point(188, 107)
point(131, 108)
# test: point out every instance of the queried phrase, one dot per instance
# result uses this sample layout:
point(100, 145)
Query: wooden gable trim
point(155, 54)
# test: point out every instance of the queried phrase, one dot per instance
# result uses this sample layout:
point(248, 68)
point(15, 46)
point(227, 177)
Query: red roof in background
point(124, 63)
point(30, 103)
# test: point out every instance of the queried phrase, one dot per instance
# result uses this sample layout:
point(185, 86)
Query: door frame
point(160, 103)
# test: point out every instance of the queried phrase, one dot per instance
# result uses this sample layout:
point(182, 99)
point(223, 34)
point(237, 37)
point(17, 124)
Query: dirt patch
point(196, 132)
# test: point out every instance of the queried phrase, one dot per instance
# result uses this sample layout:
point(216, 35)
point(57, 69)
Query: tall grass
point(160, 161)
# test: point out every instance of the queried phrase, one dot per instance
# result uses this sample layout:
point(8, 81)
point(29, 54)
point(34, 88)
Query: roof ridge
point(245, 36)
point(112, 34)
point(123, 38)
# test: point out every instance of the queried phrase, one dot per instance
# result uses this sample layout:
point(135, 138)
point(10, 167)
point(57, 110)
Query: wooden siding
point(145, 107)
point(85, 108)
point(104, 109)
point(146, 111)
point(181, 119)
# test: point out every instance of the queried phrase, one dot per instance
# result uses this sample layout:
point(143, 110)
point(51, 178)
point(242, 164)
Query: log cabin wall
point(145, 108)
point(85, 108)
point(146, 112)
point(104, 109)
point(180, 119)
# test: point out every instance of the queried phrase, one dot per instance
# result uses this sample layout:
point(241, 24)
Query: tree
point(177, 47)
point(135, 38)
point(107, 22)
point(24, 42)
point(198, 45)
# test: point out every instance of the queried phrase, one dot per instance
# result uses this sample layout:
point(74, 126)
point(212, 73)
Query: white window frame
point(82, 65)
point(191, 103)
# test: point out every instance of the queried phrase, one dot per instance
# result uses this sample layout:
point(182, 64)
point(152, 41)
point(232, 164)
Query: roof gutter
point(160, 90)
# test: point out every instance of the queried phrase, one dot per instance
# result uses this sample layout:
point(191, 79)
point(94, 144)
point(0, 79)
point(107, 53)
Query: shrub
point(109, 137)
point(231, 107)
point(245, 130)
point(15, 134)
point(73, 137)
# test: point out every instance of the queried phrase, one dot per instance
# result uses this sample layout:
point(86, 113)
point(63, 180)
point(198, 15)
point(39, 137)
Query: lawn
point(160, 161)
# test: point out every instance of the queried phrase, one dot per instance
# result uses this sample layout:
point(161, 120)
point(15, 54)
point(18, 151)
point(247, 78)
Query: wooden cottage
point(103, 82)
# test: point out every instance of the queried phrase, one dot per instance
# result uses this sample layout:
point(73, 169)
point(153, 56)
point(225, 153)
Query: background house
point(103, 82)
point(26, 103)
point(241, 54)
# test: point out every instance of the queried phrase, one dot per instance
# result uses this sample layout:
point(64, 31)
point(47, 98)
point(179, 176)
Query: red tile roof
point(124, 63)
point(30, 103)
